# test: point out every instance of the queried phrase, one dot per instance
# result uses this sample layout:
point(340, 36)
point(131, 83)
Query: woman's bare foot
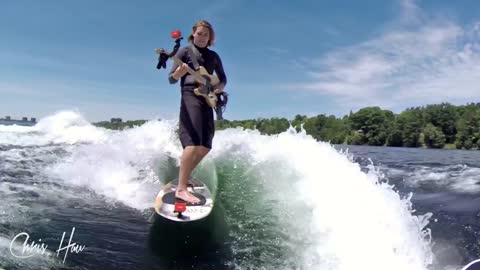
point(187, 196)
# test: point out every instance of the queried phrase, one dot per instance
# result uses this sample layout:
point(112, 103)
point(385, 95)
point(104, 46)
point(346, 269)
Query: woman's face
point(201, 36)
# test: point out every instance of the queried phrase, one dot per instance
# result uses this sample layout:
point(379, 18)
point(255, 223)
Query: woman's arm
point(172, 76)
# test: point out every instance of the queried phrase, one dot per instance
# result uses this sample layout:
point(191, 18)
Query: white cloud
point(419, 62)
point(276, 50)
point(332, 31)
point(410, 11)
point(215, 10)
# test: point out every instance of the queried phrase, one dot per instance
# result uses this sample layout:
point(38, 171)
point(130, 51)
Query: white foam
point(113, 167)
point(16, 128)
point(460, 177)
point(355, 221)
point(63, 127)
point(359, 223)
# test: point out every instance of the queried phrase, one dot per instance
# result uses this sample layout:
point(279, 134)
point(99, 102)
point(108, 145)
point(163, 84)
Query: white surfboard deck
point(165, 202)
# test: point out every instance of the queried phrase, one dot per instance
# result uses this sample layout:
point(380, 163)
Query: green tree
point(298, 121)
point(468, 144)
point(432, 126)
point(334, 130)
point(356, 138)
point(443, 116)
point(433, 136)
point(374, 124)
point(468, 126)
point(411, 123)
point(395, 138)
point(313, 126)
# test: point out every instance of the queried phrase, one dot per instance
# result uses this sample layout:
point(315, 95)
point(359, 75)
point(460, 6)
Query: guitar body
point(205, 90)
point(204, 73)
point(205, 79)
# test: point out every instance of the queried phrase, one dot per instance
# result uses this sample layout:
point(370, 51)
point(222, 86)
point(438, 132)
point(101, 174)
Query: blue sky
point(281, 58)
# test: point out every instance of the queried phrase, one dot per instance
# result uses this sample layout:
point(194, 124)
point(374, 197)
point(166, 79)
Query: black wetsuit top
point(196, 125)
point(207, 58)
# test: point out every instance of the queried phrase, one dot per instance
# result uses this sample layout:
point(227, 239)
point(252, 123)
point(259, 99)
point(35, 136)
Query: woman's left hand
point(218, 88)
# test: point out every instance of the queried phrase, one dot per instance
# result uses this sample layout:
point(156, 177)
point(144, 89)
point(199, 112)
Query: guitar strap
point(223, 96)
point(195, 55)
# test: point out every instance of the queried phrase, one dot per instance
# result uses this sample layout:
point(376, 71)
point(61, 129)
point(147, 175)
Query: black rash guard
point(207, 58)
point(196, 125)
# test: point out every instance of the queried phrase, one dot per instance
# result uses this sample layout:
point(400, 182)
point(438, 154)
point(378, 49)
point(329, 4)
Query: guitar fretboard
point(189, 70)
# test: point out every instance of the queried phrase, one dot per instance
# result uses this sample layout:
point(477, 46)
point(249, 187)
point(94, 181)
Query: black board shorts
point(196, 125)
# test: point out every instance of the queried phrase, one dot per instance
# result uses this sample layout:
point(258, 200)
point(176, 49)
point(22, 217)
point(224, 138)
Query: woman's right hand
point(180, 71)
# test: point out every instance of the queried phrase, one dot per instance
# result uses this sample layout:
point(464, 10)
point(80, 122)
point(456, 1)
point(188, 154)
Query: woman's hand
point(218, 88)
point(180, 71)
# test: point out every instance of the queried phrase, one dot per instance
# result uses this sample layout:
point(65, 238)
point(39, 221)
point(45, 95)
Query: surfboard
point(167, 206)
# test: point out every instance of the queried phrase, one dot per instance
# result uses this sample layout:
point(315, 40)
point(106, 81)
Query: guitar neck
point(189, 70)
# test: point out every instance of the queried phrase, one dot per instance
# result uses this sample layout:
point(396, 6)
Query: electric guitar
point(205, 79)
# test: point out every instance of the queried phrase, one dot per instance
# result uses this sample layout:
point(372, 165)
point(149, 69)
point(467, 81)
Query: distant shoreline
point(24, 122)
point(120, 125)
point(438, 126)
point(220, 125)
point(130, 124)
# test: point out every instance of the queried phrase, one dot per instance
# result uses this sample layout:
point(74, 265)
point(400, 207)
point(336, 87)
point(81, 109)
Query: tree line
point(432, 126)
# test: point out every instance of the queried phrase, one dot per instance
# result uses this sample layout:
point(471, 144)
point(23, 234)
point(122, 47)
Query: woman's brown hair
point(204, 24)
